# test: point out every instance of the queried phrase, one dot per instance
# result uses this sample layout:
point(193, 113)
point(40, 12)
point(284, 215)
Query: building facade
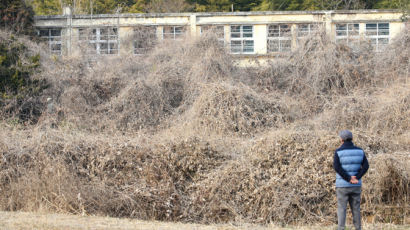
point(247, 34)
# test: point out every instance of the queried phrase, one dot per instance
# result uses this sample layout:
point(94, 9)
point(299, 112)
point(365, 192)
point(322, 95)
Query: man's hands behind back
point(354, 180)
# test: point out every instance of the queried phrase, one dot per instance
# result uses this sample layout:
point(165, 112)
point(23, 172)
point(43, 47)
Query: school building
point(247, 34)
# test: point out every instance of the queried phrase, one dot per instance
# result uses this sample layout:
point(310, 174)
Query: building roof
point(211, 14)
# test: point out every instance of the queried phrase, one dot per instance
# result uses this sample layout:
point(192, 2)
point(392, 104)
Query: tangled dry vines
point(184, 134)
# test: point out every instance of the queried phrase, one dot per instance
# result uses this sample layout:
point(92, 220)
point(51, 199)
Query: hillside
point(184, 134)
point(165, 6)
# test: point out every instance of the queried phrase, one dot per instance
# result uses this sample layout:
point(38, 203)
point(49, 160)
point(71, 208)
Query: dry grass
point(43, 221)
point(183, 134)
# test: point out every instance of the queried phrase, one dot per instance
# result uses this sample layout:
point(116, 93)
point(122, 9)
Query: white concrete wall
point(260, 34)
point(194, 21)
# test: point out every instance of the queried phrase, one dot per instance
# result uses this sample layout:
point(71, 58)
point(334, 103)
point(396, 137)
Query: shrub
point(20, 91)
point(17, 16)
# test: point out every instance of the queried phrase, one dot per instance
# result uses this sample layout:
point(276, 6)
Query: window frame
point(149, 33)
point(52, 40)
point(243, 40)
point(218, 30)
point(378, 35)
point(102, 43)
point(351, 33)
point(175, 35)
point(284, 36)
point(312, 28)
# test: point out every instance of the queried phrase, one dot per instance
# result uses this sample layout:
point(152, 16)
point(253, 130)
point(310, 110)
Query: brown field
point(42, 221)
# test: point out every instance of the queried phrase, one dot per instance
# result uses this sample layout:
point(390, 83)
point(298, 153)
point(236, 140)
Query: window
point(279, 38)
point(53, 37)
point(145, 38)
point(305, 30)
point(242, 39)
point(101, 40)
point(83, 34)
point(378, 33)
point(347, 33)
point(173, 32)
point(218, 31)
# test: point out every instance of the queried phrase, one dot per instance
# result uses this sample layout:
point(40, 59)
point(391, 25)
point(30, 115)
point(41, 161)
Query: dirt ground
point(43, 221)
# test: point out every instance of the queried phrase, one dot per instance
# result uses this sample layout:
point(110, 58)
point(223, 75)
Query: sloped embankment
point(186, 135)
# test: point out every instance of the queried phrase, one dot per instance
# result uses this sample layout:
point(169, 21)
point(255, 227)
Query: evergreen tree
point(53, 7)
point(47, 7)
point(17, 64)
point(16, 16)
point(224, 5)
point(277, 5)
point(330, 4)
point(295, 5)
point(392, 4)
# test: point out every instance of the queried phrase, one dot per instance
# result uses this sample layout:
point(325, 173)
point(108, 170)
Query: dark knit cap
point(346, 135)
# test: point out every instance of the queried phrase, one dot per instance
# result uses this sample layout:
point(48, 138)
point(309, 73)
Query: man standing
point(350, 164)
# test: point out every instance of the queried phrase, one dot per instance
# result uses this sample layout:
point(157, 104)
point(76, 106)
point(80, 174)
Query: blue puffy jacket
point(349, 160)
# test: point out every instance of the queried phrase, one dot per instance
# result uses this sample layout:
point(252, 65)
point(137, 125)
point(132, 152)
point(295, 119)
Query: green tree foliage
point(15, 75)
point(117, 6)
point(168, 6)
point(53, 7)
point(392, 4)
point(273, 5)
point(19, 92)
point(224, 5)
point(16, 16)
point(329, 4)
point(47, 7)
point(404, 5)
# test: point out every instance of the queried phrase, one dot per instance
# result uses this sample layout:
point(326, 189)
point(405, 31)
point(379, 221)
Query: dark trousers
point(351, 195)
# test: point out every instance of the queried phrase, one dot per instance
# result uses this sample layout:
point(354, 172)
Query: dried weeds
point(183, 134)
